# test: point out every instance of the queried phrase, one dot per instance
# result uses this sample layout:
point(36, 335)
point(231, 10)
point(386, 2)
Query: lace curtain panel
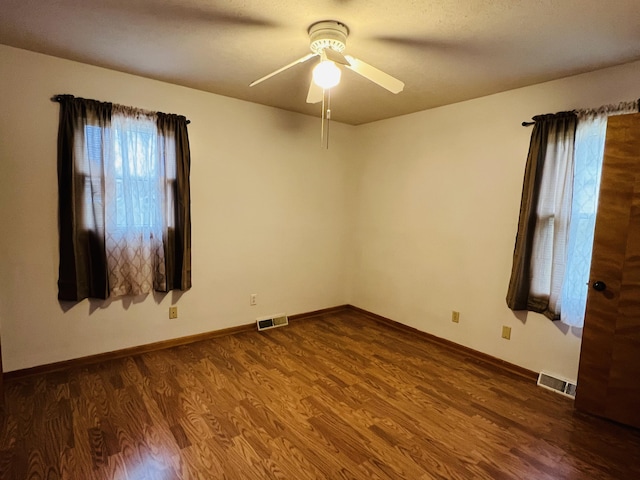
point(134, 202)
point(589, 152)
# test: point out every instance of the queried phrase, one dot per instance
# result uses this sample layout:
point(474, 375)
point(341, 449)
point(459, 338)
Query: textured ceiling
point(445, 51)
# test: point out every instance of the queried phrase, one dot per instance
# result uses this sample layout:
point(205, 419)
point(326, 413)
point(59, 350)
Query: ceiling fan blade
point(192, 12)
point(428, 44)
point(280, 70)
point(315, 93)
point(335, 56)
point(376, 76)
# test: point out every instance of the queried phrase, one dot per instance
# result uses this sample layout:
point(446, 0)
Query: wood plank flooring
point(339, 396)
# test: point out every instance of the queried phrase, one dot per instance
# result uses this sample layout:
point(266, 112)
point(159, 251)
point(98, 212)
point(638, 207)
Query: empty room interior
point(374, 223)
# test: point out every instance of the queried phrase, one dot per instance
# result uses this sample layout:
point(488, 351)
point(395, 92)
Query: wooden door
point(609, 373)
point(1, 382)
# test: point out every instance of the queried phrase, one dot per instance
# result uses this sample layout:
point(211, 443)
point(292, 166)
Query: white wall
point(409, 218)
point(436, 203)
point(267, 211)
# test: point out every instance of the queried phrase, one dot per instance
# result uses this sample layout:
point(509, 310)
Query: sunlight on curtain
point(134, 203)
point(590, 135)
point(589, 152)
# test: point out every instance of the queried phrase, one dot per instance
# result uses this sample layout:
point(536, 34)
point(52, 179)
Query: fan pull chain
point(326, 118)
point(322, 119)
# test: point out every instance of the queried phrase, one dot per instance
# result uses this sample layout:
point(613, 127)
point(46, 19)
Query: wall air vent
point(556, 384)
point(272, 321)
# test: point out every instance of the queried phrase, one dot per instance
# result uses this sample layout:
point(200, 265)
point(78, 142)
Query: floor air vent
point(272, 321)
point(558, 385)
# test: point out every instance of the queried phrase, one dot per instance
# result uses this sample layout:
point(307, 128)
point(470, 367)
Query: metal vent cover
point(557, 384)
point(272, 321)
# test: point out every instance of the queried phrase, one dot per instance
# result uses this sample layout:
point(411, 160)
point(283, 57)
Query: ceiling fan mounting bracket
point(328, 34)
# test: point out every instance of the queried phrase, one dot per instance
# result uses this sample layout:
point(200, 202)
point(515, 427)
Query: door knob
point(599, 286)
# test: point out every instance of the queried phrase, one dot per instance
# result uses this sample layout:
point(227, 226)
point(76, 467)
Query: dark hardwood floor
point(338, 396)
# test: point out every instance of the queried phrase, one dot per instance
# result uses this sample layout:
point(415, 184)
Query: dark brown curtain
point(547, 128)
point(83, 262)
point(177, 242)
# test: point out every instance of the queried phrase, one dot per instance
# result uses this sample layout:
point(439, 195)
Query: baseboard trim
point(103, 357)
point(319, 313)
point(152, 347)
point(483, 358)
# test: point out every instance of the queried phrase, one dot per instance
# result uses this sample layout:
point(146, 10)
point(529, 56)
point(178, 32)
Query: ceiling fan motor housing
point(328, 34)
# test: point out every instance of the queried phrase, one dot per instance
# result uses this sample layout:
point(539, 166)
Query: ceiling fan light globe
point(326, 74)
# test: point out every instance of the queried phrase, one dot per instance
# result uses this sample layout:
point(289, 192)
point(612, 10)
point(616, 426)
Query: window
point(552, 256)
point(540, 252)
point(124, 201)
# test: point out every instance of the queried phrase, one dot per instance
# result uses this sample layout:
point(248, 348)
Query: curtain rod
point(58, 98)
point(589, 110)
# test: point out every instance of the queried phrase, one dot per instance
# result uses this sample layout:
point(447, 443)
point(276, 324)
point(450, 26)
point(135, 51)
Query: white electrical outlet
point(253, 299)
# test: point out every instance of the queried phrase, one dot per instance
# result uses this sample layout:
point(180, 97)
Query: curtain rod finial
point(60, 96)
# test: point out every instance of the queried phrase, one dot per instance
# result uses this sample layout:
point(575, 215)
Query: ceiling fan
point(328, 40)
